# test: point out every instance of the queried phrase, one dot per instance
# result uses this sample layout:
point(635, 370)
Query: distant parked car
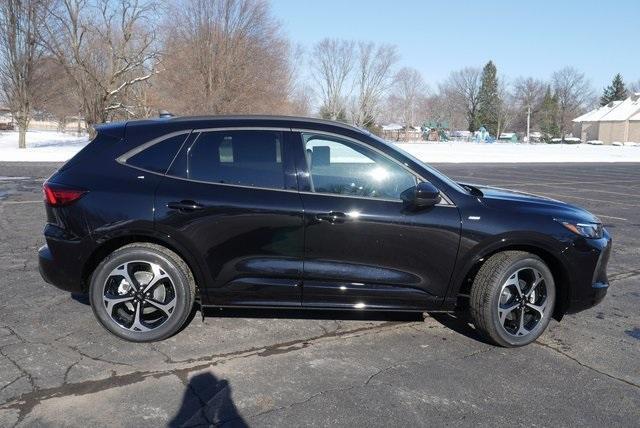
point(153, 216)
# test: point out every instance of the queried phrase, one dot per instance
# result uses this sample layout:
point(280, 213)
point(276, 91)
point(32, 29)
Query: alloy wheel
point(523, 302)
point(139, 296)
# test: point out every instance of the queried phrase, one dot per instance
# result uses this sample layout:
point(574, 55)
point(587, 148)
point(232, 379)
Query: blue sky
point(524, 38)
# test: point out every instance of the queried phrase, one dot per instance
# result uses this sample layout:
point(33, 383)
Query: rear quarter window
point(158, 156)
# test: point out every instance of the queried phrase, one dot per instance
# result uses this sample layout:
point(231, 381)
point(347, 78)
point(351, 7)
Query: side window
point(345, 168)
point(158, 157)
point(249, 158)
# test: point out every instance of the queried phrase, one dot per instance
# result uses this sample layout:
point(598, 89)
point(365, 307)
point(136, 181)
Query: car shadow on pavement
point(312, 314)
point(458, 322)
point(207, 402)
point(81, 298)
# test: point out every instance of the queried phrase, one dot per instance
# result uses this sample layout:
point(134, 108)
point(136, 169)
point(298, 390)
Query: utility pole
point(528, 124)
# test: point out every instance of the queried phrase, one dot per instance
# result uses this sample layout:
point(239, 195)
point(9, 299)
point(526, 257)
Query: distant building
point(618, 121)
point(6, 119)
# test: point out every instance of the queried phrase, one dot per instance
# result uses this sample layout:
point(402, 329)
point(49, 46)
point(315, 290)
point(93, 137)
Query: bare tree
point(19, 54)
point(506, 108)
point(331, 64)
point(528, 95)
point(55, 93)
point(635, 87)
point(106, 47)
point(225, 56)
point(373, 78)
point(462, 89)
point(574, 94)
point(409, 92)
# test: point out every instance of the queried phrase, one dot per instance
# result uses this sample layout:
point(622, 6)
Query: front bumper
point(591, 284)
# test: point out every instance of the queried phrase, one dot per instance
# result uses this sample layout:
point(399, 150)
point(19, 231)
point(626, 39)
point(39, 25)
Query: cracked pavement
point(58, 367)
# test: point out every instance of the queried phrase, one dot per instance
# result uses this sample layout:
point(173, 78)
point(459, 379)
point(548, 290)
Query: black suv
point(285, 212)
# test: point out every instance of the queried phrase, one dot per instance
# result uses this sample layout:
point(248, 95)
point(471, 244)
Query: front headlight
point(587, 230)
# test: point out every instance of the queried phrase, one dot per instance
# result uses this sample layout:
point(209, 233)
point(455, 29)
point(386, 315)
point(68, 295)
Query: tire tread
point(490, 274)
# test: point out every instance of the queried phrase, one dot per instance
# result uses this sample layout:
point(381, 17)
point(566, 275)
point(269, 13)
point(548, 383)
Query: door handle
point(184, 206)
point(332, 217)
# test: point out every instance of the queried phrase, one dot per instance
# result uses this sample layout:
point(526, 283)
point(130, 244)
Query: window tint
point(158, 157)
point(345, 168)
point(249, 158)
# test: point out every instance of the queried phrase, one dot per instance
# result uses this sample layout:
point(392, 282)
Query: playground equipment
point(483, 136)
point(435, 131)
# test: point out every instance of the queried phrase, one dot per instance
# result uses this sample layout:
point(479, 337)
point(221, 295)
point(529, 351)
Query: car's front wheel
point(512, 298)
point(142, 292)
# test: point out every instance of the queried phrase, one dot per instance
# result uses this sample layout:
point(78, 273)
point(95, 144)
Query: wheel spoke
point(111, 301)
point(539, 279)
point(538, 308)
point(137, 324)
point(514, 280)
point(522, 331)
point(130, 280)
point(158, 274)
point(503, 312)
point(167, 308)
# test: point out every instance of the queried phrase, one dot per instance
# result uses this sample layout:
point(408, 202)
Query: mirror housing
point(422, 195)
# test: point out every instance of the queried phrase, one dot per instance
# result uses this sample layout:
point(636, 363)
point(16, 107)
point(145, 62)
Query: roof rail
point(164, 114)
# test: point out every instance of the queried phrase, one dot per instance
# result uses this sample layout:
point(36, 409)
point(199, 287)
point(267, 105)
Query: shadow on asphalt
point(458, 321)
point(312, 314)
point(212, 396)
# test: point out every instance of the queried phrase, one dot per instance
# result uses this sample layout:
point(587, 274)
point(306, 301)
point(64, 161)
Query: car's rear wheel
point(512, 298)
point(142, 292)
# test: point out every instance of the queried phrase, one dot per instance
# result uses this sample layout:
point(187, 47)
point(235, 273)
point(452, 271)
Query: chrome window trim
point(124, 157)
point(446, 201)
point(244, 186)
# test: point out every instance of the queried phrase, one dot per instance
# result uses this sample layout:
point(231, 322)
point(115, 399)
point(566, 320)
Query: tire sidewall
point(505, 338)
point(180, 283)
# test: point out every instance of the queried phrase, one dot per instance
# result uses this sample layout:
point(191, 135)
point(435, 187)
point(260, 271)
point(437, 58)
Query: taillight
point(57, 196)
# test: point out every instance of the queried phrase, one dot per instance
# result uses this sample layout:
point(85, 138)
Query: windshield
point(431, 169)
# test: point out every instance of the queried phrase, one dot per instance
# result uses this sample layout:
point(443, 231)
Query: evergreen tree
point(488, 99)
point(614, 92)
point(549, 115)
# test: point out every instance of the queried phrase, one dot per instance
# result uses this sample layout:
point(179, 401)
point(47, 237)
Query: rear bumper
point(51, 272)
point(62, 259)
point(591, 286)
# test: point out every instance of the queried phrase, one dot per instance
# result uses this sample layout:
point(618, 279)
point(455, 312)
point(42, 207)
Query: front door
point(363, 248)
point(229, 198)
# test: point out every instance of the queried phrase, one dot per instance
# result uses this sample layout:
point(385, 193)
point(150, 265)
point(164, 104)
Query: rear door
point(363, 248)
point(231, 197)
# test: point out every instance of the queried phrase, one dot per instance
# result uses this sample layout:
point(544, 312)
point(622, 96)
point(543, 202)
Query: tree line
point(106, 60)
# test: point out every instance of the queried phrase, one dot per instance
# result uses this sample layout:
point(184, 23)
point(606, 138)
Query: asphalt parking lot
point(265, 368)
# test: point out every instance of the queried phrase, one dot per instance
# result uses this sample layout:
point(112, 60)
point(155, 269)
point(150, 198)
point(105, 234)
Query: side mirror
point(423, 195)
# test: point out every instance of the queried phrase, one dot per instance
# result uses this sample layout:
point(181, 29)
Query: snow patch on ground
point(42, 146)
point(462, 152)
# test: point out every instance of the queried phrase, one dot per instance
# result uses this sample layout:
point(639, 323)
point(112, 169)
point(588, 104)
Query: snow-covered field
point(460, 152)
point(43, 146)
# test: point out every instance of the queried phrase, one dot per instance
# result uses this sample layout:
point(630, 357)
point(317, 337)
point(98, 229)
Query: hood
point(495, 197)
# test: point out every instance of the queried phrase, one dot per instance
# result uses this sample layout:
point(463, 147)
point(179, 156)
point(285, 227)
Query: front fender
point(473, 253)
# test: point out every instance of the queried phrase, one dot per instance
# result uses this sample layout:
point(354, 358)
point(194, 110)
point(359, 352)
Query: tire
point(131, 313)
point(503, 290)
